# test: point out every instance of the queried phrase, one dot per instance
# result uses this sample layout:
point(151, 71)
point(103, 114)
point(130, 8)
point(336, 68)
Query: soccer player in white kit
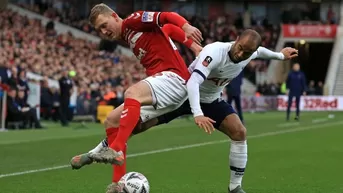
point(217, 64)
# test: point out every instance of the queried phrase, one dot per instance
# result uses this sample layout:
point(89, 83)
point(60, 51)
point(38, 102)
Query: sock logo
point(239, 173)
point(124, 113)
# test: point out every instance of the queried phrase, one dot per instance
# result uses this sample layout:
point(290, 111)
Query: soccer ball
point(134, 182)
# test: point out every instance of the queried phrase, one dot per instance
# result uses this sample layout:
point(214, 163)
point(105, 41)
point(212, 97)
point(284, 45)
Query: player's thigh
point(184, 109)
point(141, 92)
point(233, 127)
point(226, 119)
point(168, 89)
point(151, 117)
point(150, 112)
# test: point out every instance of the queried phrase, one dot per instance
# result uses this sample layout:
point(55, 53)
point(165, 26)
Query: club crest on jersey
point(207, 61)
point(148, 17)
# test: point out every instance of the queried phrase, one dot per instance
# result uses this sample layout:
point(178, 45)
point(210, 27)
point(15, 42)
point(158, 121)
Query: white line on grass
point(319, 120)
point(185, 147)
point(288, 124)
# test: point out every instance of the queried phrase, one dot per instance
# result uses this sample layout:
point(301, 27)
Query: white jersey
point(217, 69)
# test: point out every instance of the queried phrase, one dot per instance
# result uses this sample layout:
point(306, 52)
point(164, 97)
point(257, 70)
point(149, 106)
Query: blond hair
point(98, 10)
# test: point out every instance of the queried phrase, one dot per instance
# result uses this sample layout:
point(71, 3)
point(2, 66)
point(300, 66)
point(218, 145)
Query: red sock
point(128, 121)
point(119, 171)
point(111, 134)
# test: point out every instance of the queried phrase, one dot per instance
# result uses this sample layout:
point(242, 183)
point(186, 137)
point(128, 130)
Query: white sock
point(102, 144)
point(238, 162)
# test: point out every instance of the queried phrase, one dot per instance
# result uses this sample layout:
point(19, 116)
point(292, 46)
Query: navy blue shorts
point(217, 110)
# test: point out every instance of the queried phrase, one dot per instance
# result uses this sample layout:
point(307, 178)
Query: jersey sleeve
point(265, 53)
point(148, 20)
point(177, 34)
point(208, 59)
point(142, 21)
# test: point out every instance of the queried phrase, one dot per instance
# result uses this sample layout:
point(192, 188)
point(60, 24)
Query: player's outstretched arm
point(147, 20)
point(176, 19)
point(285, 54)
point(193, 85)
point(208, 59)
point(177, 34)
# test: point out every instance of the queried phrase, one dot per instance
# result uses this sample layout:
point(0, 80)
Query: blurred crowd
point(61, 11)
point(308, 13)
point(270, 89)
point(224, 28)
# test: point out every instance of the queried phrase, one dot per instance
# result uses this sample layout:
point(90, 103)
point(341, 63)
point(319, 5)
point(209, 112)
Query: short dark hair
point(252, 35)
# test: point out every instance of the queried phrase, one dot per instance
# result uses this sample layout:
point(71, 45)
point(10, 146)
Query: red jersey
point(155, 50)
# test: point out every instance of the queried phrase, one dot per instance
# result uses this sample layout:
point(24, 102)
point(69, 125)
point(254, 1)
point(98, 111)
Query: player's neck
point(231, 56)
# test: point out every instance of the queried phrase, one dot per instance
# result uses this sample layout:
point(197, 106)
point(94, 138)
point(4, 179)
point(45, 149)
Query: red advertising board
point(309, 31)
point(313, 103)
point(307, 103)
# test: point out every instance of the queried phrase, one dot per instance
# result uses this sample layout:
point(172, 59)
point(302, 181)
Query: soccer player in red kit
point(163, 91)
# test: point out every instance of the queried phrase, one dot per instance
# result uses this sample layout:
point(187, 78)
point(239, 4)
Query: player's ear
point(115, 15)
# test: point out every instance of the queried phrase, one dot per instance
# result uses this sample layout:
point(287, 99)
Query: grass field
point(284, 157)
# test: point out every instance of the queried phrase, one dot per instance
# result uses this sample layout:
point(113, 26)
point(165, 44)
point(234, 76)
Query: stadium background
point(42, 39)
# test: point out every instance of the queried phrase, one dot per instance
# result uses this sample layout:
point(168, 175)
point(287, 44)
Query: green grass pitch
point(284, 157)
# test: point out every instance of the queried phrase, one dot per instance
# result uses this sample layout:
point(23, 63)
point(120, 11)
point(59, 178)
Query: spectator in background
point(311, 88)
point(32, 111)
point(23, 84)
point(319, 89)
point(56, 112)
point(66, 86)
point(233, 92)
point(45, 100)
point(16, 113)
point(13, 80)
point(296, 85)
point(330, 16)
point(274, 89)
point(4, 70)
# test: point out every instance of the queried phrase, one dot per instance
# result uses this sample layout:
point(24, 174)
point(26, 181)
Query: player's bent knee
point(141, 92)
point(239, 134)
point(137, 90)
point(130, 93)
point(233, 127)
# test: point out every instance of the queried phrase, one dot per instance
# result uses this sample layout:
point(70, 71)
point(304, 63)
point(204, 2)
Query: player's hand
point(205, 123)
point(289, 53)
point(193, 32)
